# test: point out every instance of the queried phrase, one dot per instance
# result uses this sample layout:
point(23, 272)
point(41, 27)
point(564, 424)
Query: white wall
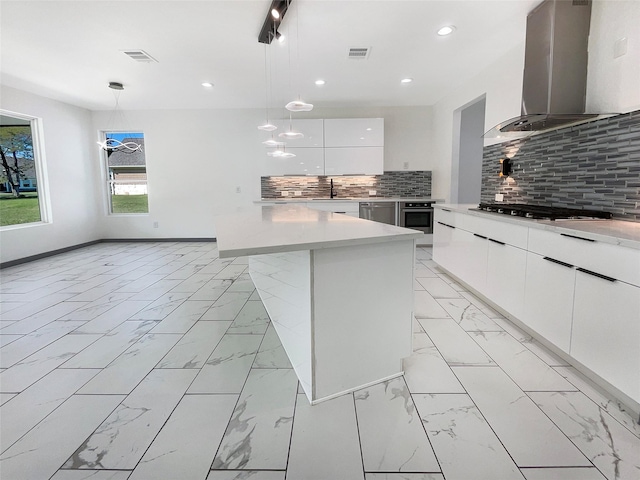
point(613, 84)
point(71, 177)
point(501, 82)
point(197, 158)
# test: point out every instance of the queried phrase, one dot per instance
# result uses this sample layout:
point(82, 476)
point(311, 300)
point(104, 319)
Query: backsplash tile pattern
point(594, 165)
point(410, 184)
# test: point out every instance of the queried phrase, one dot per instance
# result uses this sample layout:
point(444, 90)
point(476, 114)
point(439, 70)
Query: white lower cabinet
point(348, 208)
point(442, 244)
point(548, 299)
point(606, 330)
point(506, 267)
point(548, 282)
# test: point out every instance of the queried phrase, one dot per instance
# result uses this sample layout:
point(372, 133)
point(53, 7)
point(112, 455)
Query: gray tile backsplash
point(410, 184)
point(594, 165)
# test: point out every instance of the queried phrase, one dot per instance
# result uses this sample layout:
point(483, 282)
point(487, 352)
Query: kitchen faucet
point(332, 194)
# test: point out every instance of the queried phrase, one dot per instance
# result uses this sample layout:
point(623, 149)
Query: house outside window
point(21, 168)
point(126, 167)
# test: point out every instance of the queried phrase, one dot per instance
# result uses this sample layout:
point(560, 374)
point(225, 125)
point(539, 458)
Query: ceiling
point(71, 50)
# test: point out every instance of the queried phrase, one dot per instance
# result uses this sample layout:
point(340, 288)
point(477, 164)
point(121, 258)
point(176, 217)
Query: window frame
point(107, 181)
point(40, 167)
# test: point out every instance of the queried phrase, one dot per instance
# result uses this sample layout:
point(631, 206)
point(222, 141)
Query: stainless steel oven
point(416, 215)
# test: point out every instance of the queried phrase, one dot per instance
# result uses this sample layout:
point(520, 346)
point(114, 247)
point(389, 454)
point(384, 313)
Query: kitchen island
point(338, 290)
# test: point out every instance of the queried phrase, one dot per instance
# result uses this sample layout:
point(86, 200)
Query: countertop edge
point(564, 226)
point(242, 252)
point(351, 200)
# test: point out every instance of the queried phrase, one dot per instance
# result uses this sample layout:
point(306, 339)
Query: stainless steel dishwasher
point(384, 212)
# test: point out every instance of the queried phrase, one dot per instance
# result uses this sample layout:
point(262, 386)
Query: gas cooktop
point(541, 212)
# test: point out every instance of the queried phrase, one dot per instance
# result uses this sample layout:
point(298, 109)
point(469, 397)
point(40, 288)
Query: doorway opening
point(466, 160)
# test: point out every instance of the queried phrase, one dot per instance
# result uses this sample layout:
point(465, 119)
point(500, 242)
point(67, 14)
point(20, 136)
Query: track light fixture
point(274, 17)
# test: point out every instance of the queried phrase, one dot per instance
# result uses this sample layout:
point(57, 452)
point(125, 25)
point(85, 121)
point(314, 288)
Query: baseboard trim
point(51, 253)
point(156, 240)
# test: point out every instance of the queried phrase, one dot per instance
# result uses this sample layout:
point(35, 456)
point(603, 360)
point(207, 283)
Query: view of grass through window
point(126, 172)
point(18, 181)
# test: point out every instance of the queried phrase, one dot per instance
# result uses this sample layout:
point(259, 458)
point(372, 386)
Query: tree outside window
point(126, 172)
point(19, 201)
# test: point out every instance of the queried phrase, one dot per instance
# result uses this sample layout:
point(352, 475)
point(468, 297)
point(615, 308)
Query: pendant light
point(297, 105)
point(291, 134)
point(267, 127)
point(110, 144)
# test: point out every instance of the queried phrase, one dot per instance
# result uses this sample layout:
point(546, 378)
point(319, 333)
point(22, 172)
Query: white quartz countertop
point(617, 232)
point(348, 199)
point(286, 228)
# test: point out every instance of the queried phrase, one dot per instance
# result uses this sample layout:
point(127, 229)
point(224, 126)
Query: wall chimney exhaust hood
point(554, 83)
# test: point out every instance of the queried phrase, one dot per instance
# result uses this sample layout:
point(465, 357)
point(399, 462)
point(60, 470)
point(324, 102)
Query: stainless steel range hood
point(555, 70)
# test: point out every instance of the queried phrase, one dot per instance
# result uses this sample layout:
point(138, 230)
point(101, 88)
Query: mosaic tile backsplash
point(409, 184)
point(594, 165)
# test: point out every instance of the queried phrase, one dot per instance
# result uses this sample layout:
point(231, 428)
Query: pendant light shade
point(273, 143)
point(281, 154)
point(299, 106)
point(267, 127)
point(291, 135)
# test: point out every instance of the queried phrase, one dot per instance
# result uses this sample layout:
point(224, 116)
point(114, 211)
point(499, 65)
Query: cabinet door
point(506, 267)
point(461, 253)
point(354, 132)
point(313, 130)
point(348, 208)
point(308, 161)
point(442, 242)
point(548, 299)
point(606, 330)
point(354, 161)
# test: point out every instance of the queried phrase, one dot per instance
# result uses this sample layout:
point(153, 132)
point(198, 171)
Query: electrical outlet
point(297, 193)
point(499, 197)
point(405, 165)
point(620, 47)
point(155, 225)
point(238, 190)
point(284, 194)
point(372, 193)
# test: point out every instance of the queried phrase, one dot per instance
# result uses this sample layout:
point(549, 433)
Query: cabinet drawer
point(449, 217)
point(515, 235)
point(336, 207)
point(621, 263)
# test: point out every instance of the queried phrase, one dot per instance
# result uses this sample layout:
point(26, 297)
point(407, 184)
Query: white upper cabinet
point(311, 128)
point(354, 132)
point(354, 161)
point(307, 161)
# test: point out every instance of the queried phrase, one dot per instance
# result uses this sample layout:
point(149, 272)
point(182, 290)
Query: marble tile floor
point(151, 361)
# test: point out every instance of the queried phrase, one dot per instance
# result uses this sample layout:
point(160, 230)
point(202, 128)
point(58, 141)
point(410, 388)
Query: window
point(125, 161)
point(21, 168)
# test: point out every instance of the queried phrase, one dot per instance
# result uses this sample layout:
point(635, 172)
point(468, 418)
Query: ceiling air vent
point(359, 52)
point(140, 56)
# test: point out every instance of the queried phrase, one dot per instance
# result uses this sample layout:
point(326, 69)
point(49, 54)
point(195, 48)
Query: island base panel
point(362, 314)
point(344, 315)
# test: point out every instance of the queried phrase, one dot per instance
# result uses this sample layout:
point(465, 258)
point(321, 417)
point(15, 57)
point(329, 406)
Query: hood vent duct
point(554, 83)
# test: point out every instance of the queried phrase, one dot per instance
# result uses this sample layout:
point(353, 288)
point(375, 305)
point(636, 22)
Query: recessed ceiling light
point(369, 129)
point(406, 80)
point(320, 82)
point(207, 84)
point(275, 13)
point(446, 30)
